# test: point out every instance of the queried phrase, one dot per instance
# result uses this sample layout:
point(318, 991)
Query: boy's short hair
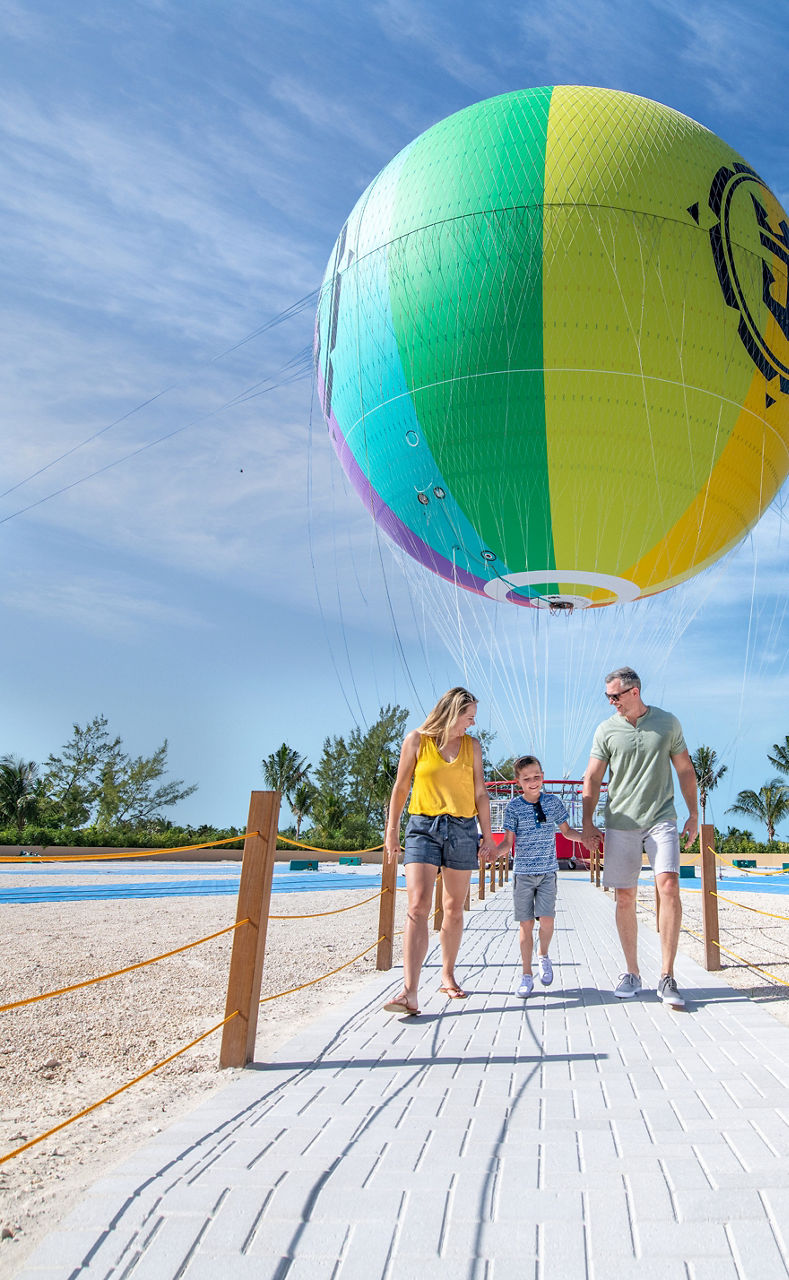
point(523, 762)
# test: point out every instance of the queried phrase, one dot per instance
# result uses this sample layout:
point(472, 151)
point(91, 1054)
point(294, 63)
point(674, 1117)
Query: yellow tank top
point(440, 787)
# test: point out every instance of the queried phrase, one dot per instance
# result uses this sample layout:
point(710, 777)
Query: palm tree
point(781, 757)
point(301, 804)
point(19, 790)
point(704, 760)
point(769, 805)
point(284, 769)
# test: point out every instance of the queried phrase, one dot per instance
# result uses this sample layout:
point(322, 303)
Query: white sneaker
point(546, 971)
point(667, 990)
point(629, 985)
point(526, 985)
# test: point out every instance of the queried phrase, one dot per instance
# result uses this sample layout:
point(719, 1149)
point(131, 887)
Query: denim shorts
point(534, 895)
point(442, 841)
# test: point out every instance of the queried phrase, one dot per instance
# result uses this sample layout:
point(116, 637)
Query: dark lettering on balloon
point(726, 251)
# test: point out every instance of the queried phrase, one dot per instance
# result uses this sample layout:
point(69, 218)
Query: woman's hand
point(392, 848)
point(488, 850)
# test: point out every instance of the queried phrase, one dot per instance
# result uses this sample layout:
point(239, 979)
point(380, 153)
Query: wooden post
point(249, 942)
point(501, 872)
point(438, 918)
point(709, 901)
point(493, 877)
point(483, 869)
point(386, 914)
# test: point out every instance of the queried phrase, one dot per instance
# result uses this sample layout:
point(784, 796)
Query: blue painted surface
point(188, 887)
point(736, 884)
point(28, 868)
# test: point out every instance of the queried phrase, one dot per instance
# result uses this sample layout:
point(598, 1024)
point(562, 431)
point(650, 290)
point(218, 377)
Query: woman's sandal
point(454, 993)
point(401, 1006)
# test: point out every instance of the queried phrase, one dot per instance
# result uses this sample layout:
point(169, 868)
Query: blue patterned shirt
point(535, 842)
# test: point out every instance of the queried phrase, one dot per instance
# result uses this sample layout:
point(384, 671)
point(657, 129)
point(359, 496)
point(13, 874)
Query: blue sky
point(174, 176)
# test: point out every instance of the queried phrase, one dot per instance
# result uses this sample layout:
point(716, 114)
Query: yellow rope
point(773, 976)
point(312, 981)
point(745, 907)
point(47, 995)
point(749, 871)
point(120, 854)
point(314, 915)
point(316, 849)
point(87, 1110)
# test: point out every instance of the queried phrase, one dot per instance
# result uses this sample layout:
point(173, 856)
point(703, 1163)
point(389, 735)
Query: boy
point(530, 822)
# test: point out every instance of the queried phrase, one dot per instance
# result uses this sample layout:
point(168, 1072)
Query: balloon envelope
point(552, 347)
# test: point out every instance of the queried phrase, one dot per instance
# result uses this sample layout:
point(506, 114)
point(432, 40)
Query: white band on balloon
point(621, 588)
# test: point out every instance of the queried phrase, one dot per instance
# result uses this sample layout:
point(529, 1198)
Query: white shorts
point(624, 850)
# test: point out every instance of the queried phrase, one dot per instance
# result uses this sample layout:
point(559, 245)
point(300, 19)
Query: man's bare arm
point(686, 776)
point(593, 780)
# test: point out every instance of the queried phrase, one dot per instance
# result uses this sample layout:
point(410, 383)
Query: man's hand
point(690, 830)
point(592, 837)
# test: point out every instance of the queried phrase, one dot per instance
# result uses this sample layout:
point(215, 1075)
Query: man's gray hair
point(629, 678)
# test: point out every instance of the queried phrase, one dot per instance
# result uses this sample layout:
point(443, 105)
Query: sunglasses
point(614, 697)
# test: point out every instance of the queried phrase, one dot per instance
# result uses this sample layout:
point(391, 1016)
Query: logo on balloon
point(750, 248)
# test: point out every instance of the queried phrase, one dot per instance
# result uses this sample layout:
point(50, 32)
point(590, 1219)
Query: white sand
point(61, 1055)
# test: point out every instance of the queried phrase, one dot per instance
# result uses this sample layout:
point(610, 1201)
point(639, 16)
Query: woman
point(445, 767)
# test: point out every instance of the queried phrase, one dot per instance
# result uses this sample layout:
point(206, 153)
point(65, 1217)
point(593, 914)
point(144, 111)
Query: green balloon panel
point(552, 347)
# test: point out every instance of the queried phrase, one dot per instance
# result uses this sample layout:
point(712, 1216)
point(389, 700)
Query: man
point(640, 743)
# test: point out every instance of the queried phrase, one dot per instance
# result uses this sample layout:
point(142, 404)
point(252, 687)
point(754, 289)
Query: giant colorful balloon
point(552, 347)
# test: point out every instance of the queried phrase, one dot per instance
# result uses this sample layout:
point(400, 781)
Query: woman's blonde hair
point(445, 713)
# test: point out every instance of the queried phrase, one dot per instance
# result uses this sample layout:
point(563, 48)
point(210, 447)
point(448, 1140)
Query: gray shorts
point(534, 895)
point(442, 841)
point(624, 850)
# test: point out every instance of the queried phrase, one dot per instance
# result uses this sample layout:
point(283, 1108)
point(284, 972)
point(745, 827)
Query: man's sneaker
point(546, 971)
point(629, 985)
point(667, 990)
point(526, 985)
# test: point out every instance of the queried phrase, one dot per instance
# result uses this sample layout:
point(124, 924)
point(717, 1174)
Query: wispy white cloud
point(437, 34)
point(113, 606)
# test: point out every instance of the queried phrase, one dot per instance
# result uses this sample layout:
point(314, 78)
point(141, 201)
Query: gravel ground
point(759, 939)
point(60, 1055)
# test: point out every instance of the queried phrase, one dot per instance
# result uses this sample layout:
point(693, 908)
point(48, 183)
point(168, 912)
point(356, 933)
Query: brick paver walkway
point(570, 1135)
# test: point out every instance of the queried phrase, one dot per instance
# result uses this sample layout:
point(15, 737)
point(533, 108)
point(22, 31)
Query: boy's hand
point(489, 850)
point(592, 837)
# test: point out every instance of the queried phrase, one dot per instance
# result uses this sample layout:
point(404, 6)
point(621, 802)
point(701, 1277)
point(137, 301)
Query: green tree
point(72, 781)
point(503, 770)
point(735, 840)
point(486, 738)
point(770, 804)
point(284, 770)
point(780, 757)
point(129, 796)
point(330, 804)
point(301, 804)
point(704, 761)
point(19, 791)
point(372, 763)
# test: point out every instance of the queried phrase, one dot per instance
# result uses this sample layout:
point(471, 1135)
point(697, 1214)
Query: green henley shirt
point(640, 785)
